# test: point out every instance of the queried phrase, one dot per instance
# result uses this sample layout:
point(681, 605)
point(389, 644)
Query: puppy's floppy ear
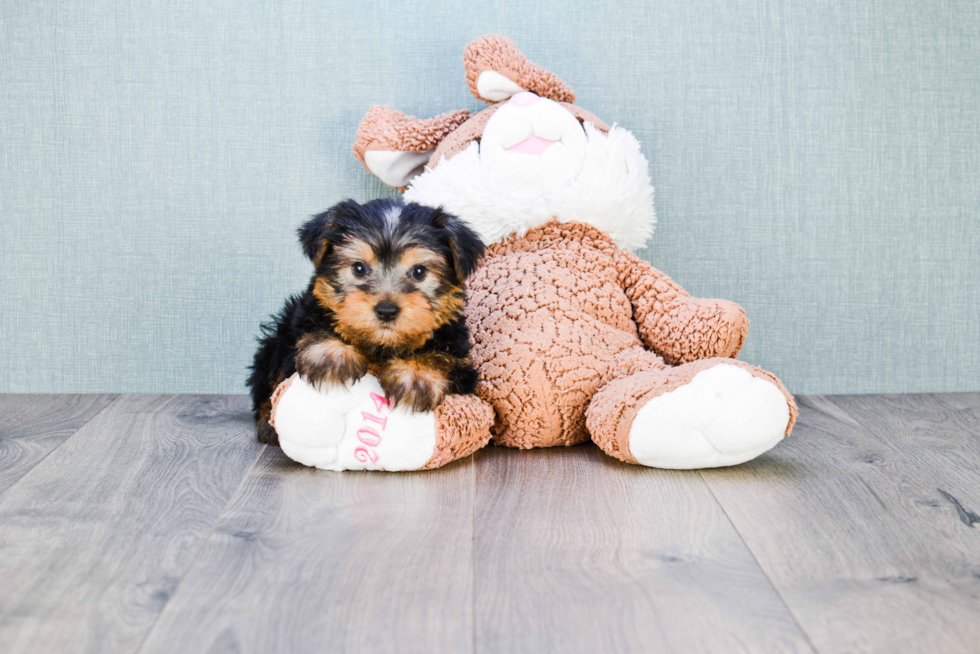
point(464, 244)
point(316, 233)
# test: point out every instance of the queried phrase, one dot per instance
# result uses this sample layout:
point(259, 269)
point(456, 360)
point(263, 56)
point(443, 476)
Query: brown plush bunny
point(574, 336)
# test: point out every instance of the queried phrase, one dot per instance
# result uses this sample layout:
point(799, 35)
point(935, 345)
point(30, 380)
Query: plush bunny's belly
point(550, 325)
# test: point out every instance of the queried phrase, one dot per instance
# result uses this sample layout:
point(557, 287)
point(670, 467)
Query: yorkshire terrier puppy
point(386, 298)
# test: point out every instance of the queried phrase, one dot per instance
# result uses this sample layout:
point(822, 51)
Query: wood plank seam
point(61, 444)
point(473, 640)
point(580, 552)
point(361, 561)
point(854, 531)
point(190, 566)
point(775, 589)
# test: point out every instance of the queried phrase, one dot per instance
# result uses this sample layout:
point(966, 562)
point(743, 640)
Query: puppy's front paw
point(320, 359)
point(415, 383)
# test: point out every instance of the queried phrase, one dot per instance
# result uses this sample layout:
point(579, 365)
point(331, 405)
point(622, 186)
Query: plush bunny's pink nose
point(523, 99)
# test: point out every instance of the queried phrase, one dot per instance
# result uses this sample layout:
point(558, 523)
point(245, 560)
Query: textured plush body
point(560, 312)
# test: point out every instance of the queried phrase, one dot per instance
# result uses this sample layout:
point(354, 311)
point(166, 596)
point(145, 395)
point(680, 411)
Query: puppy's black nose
point(386, 311)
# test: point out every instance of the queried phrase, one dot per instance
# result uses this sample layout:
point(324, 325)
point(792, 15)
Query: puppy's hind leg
point(266, 432)
point(262, 381)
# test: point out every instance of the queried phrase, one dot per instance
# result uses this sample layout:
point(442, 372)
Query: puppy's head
point(391, 273)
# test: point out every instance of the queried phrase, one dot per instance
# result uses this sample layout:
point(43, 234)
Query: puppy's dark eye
point(418, 273)
point(359, 269)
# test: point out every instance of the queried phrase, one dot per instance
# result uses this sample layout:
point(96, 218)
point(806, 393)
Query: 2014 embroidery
point(368, 435)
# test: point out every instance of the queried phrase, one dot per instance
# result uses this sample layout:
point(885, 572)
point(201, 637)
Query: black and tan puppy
point(386, 298)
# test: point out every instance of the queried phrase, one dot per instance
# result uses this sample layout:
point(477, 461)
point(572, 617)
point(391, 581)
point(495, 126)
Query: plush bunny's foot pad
point(708, 414)
point(354, 428)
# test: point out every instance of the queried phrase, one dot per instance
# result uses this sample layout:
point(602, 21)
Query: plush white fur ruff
point(613, 192)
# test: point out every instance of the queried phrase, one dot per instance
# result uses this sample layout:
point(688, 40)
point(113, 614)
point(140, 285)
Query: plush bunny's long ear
point(496, 70)
point(396, 147)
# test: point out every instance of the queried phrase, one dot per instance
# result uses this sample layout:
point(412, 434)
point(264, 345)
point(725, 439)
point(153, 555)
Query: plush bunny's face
point(531, 157)
point(532, 145)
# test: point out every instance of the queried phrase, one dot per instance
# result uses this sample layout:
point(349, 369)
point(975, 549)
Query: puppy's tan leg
point(323, 358)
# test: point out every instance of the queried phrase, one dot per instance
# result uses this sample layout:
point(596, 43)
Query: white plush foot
point(352, 428)
point(724, 416)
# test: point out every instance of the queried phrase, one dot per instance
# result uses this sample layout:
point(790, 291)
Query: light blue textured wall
point(818, 162)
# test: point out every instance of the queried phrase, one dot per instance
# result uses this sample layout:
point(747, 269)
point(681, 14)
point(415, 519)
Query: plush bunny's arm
point(678, 327)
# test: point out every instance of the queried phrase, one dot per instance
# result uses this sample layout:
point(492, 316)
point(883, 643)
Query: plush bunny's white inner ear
point(495, 87)
point(396, 168)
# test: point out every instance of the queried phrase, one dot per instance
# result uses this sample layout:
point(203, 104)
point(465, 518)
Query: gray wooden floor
point(158, 524)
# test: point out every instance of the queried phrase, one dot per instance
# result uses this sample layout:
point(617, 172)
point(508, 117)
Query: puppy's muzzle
point(386, 311)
